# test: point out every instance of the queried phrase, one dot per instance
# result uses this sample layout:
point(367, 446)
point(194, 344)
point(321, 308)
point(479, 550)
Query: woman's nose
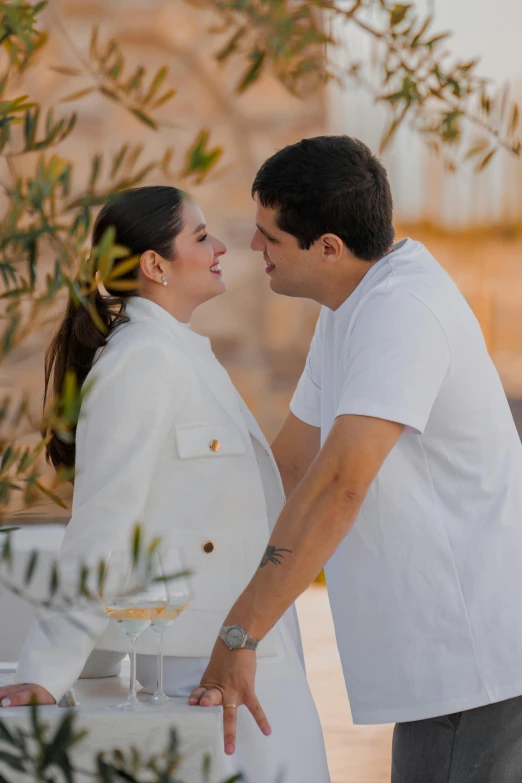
point(220, 248)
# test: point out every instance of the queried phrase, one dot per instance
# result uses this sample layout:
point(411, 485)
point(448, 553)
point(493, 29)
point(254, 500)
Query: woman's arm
point(125, 422)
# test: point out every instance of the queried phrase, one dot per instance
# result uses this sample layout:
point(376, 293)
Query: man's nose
point(256, 242)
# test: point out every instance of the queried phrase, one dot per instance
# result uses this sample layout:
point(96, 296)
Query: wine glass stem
point(132, 698)
point(159, 662)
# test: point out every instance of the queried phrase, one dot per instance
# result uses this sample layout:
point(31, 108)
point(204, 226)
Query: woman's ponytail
point(73, 349)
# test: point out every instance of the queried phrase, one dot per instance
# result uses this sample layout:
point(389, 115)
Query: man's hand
point(20, 695)
point(229, 680)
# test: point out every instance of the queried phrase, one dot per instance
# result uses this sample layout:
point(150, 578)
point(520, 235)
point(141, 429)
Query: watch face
point(235, 638)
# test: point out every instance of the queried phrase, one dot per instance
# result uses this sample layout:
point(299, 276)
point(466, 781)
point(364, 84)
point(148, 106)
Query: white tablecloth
point(16, 615)
point(199, 730)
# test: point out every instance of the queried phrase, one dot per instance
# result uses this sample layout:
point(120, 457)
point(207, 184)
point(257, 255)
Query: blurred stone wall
point(262, 339)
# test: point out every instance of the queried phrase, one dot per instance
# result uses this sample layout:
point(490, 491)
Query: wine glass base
point(127, 706)
point(154, 701)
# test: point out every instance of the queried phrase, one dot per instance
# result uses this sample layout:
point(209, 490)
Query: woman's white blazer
point(165, 440)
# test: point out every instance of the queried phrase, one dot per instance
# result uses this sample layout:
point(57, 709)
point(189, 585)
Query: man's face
point(291, 270)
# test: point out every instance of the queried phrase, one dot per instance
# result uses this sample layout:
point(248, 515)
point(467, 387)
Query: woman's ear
point(151, 265)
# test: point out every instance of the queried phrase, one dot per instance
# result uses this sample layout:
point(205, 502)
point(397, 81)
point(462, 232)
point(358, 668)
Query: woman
point(165, 439)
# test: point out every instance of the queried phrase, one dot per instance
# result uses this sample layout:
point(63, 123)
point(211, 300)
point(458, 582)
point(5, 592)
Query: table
point(15, 613)
point(199, 730)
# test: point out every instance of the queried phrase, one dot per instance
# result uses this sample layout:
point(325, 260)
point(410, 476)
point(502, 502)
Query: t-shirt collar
point(370, 274)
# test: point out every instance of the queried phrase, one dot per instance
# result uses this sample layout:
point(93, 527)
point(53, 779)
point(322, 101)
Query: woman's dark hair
point(147, 218)
point(329, 184)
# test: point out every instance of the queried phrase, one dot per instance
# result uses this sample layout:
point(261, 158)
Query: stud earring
point(163, 280)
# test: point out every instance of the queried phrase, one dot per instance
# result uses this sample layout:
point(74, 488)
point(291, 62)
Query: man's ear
point(331, 248)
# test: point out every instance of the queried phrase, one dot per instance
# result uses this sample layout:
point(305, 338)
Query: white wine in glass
point(135, 619)
point(179, 595)
point(136, 596)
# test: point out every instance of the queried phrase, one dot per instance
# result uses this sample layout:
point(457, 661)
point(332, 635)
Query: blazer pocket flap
point(208, 440)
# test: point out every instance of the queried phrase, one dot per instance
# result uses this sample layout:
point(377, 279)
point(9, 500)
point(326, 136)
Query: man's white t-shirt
point(426, 588)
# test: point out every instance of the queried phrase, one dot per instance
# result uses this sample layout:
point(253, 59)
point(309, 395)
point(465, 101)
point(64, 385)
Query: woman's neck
point(181, 311)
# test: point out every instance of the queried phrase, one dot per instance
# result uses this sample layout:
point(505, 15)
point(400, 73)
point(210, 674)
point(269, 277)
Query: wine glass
point(179, 595)
point(134, 593)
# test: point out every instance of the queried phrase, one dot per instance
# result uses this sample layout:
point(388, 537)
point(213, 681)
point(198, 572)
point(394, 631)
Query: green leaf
point(6, 457)
point(485, 161)
point(12, 761)
point(144, 118)
point(66, 70)
point(7, 551)
point(75, 96)
point(38, 727)
point(96, 319)
point(54, 582)
point(164, 98)
point(156, 84)
point(122, 285)
point(95, 170)
point(31, 566)
point(513, 125)
point(82, 583)
point(398, 13)
point(477, 148)
point(437, 39)
point(93, 47)
point(101, 570)
point(200, 159)
point(252, 74)
point(124, 267)
point(5, 735)
point(136, 545)
point(135, 80)
point(118, 160)
point(153, 546)
point(417, 38)
point(231, 46)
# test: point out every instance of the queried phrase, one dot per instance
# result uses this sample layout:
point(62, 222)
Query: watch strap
point(250, 644)
point(247, 644)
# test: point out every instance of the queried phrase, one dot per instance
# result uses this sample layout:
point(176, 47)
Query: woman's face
point(196, 275)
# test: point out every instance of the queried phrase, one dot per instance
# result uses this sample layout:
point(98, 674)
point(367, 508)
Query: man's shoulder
point(414, 277)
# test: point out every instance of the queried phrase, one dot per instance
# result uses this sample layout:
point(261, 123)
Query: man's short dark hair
point(329, 184)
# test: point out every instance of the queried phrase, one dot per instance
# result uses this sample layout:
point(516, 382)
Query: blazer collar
point(140, 309)
point(198, 348)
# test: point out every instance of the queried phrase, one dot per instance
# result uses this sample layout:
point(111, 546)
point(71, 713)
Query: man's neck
point(340, 286)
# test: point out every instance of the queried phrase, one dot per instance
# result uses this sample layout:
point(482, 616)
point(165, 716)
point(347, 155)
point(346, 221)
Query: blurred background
point(471, 222)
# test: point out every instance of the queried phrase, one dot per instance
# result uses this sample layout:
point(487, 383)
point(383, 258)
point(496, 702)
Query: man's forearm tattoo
point(273, 555)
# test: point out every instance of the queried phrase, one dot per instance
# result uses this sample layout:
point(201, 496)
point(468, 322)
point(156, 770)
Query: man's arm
point(295, 447)
point(318, 516)
point(313, 523)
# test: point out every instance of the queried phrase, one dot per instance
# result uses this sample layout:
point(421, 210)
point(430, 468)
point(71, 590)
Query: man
point(403, 472)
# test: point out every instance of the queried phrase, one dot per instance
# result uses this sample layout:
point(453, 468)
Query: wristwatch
point(236, 638)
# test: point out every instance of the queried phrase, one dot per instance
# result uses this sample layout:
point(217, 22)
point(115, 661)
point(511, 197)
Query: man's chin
point(278, 287)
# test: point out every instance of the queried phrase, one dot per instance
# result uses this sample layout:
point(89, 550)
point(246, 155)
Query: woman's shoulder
point(143, 350)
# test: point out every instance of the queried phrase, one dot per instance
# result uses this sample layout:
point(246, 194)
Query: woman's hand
point(22, 694)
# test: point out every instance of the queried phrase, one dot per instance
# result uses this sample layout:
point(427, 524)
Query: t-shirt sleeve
point(306, 402)
point(395, 361)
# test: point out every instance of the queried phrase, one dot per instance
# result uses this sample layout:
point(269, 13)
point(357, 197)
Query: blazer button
point(208, 547)
point(214, 445)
